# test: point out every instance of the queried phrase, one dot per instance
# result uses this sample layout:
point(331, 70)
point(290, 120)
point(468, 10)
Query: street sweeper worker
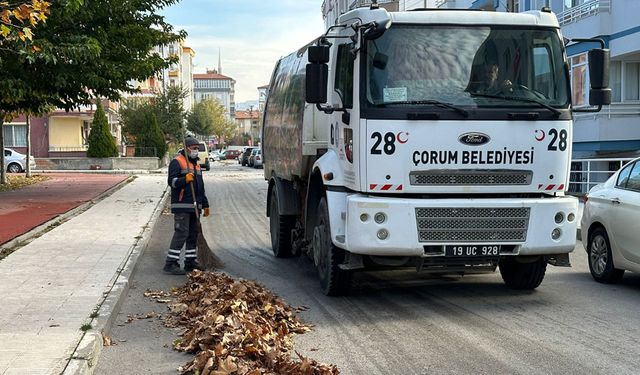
point(184, 170)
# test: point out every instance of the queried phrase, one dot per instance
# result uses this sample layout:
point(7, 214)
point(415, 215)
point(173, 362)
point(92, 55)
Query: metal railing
point(68, 148)
point(587, 9)
point(587, 173)
point(365, 3)
point(613, 110)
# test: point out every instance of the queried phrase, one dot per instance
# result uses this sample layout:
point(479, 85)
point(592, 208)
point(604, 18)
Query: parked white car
point(611, 225)
point(16, 162)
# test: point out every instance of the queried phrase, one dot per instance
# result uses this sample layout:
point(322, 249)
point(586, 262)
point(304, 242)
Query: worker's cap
point(190, 141)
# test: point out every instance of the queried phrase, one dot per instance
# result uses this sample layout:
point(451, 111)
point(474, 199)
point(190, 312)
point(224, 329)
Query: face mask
point(193, 154)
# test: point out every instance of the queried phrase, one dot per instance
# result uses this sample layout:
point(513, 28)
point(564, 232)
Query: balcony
point(588, 9)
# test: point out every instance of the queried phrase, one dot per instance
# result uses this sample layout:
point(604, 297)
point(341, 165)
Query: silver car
point(255, 160)
point(611, 225)
point(17, 162)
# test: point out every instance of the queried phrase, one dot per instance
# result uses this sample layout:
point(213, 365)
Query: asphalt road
point(394, 322)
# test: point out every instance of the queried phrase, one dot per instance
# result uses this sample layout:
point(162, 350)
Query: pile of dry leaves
point(15, 182)
point(237, 327)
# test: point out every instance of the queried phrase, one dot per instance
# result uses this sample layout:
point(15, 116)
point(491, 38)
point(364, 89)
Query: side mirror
point(317, 76)
point(319, 54)
point(600, 93)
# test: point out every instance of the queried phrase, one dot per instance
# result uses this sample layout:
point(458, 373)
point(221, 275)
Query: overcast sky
point(251, 34)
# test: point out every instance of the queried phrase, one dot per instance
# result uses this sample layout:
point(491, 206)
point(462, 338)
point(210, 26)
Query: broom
point(205, 255)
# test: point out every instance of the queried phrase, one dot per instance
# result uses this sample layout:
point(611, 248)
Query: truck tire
point(280, 227)
point(520, 275)
point(600, 258)
point(333, 280)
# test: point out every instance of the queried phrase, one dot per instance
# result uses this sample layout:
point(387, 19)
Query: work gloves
point(206, 212)
point(189, 178)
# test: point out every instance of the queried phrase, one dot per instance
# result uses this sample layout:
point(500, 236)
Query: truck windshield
point(466, 66)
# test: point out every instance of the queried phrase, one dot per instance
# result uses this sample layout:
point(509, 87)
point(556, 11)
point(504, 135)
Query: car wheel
point(280, 227)
point(14, 168)
point(521, 275)
point(328, 257)
point(601, 259)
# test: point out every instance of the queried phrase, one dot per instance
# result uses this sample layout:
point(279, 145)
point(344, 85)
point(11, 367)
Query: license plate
point(472, 250)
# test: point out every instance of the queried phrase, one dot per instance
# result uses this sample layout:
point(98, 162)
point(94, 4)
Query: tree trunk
point(3, 170)
point(28, 166)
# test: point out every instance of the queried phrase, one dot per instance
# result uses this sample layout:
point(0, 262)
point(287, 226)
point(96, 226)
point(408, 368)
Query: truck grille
point(471, 177)
point(462, 225)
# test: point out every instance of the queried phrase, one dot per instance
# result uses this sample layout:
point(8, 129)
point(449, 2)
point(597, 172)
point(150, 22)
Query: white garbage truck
point(434, 139)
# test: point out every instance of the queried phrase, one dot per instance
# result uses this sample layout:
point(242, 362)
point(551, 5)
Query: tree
point(208, 118)
point(150, 141)
point(17, 19)
point(101, 142)
point(82, 52)
point(170, 112)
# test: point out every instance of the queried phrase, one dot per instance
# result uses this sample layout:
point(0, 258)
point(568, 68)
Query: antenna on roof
point(374, 4)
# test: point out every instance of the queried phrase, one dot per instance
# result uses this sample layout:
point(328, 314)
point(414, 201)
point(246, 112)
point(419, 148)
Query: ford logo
point(474, 139)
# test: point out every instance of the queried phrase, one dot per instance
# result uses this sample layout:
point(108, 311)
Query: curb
point(38, 231)
point(87, 353)
point(101, 171)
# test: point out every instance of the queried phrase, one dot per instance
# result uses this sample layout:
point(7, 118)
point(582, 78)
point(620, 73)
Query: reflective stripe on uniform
point(185, 171)
point(191, 253)
point(173, 254)
point(173, 182)
point(182, 205)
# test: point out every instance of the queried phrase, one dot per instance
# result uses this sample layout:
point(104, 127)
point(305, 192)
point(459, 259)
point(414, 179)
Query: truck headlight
point(559, 218)
point(383, 234)
point(556, 233)
point(380, 218)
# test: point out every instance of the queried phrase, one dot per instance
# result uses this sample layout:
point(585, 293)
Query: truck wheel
point(600, 258)
point(280, 226)
point(333, 280)
point(521, 275)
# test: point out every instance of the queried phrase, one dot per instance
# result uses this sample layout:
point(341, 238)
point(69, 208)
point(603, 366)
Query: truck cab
point(439, 140)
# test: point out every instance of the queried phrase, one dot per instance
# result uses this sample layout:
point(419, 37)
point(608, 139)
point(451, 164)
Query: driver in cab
point(489, 83)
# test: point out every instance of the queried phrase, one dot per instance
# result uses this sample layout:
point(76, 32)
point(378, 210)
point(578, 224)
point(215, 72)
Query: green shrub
point(101, 142)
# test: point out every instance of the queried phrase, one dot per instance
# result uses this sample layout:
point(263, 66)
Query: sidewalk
point(50, 288)
point(24, 209)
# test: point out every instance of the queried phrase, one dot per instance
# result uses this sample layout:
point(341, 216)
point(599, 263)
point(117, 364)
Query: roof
point(263, 87)
point(451, 17)
point(211, 76)
point(246, 115)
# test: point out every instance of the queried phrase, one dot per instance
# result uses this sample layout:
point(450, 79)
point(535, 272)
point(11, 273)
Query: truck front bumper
point(424, 227)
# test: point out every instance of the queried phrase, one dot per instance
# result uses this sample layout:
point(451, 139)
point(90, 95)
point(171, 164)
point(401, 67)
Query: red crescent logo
point(400, 139)
point(539, 139)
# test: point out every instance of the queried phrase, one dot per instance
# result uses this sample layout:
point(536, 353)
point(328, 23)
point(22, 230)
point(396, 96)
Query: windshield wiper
point(432, 102)
point(519, 99)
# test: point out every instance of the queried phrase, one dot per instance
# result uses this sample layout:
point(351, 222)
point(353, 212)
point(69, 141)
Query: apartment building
point(213, 85)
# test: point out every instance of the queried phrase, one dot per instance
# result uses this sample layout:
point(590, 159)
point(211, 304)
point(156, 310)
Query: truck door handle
point(615, 200)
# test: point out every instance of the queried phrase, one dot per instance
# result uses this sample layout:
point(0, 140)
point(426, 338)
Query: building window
point(86, 130)
point(632, 81)
point(615, 81)
point(539, 4)
point(568, 4)
point(579, 80)
point(15, 135)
